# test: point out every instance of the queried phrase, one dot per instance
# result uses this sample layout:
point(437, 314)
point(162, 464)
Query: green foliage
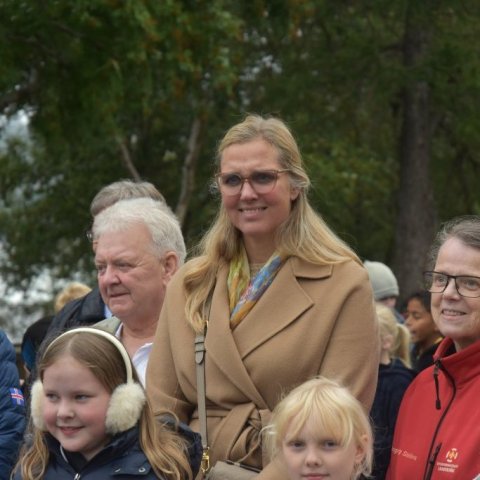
point(94, 74)
point(338, 75)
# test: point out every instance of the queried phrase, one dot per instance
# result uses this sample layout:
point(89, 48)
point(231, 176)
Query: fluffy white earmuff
point(36, 405)
point(125, 408)
point(127, 400)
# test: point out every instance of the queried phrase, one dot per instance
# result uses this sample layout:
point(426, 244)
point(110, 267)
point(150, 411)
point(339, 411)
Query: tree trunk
point(127, 159)
point(415, 224)
point(188, 169)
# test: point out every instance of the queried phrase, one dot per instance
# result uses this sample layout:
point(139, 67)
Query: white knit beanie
point(383, 280)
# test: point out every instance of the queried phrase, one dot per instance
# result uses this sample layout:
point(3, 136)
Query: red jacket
point(437, 434)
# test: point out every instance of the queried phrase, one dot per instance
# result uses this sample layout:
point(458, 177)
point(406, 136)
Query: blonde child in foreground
point(320, 430)
point(91, 418)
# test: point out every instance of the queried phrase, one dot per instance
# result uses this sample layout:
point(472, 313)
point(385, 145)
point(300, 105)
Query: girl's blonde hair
point(71, 291)
point(304, 234)
point(388, 325)
point(330, 410)
point(164, 449)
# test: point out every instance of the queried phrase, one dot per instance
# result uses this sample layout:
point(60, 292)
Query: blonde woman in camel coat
point(314, 317)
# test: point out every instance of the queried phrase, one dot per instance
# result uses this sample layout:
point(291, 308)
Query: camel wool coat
point(312, 320)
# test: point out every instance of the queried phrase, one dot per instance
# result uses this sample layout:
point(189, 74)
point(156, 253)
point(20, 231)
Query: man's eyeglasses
point(89, 235)
point(262, 181)
point(467, 286)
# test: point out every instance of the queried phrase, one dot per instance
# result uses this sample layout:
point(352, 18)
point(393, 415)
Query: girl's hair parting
point(331, 410)
point(166, 450)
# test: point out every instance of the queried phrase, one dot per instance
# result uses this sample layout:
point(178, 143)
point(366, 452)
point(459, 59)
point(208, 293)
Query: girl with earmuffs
point(91, 417)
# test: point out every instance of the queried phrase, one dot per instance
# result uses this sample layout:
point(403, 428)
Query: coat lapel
point(282, 303)
point(220, 342)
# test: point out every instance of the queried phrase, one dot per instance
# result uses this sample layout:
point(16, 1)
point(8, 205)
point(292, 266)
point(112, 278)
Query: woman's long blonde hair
point(304, 234)
point(164, 449)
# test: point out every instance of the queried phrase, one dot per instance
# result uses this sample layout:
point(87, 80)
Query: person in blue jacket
point(12, 408)
point(92, 419)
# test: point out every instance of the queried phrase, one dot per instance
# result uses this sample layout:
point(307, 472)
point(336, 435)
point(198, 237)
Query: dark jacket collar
point(119, 446)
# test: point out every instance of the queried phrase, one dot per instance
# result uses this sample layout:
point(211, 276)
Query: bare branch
point(188, 169)
point(127, 159)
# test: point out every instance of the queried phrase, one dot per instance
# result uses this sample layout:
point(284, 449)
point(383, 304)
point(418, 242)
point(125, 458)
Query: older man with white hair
point(138, 247)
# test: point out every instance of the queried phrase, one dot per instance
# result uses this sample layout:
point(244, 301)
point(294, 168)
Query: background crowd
point(270, 299)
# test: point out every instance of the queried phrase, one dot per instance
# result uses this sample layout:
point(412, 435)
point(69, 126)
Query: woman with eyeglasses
point(279, 297)
point(437, 434)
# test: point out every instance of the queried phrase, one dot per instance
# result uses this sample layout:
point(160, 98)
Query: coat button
point(142, 470)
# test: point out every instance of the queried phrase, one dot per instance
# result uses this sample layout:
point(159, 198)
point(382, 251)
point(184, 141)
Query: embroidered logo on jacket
point(451, 455)
point(449, 466)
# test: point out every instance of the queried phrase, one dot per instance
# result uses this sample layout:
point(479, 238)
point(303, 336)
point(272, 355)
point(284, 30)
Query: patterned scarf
point(243, 291)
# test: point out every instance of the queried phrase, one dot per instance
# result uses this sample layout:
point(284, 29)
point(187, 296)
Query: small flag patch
point(17, 396)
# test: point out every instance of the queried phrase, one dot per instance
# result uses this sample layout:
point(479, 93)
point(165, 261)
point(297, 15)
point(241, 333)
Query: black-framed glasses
point(466, 285)
point(262, 181)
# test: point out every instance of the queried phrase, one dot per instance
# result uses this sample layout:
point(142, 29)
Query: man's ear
point(170, 265)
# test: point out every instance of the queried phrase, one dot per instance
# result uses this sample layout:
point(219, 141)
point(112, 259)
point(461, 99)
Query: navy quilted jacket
point(12, 409)
point(121, 459)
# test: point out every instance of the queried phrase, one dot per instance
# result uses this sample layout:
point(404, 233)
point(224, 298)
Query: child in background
point(91, 417)
point(423, 330)
point(320, 430)
point(36, 333)
point(32, 339)
point(71, 291)
point(394, 376)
